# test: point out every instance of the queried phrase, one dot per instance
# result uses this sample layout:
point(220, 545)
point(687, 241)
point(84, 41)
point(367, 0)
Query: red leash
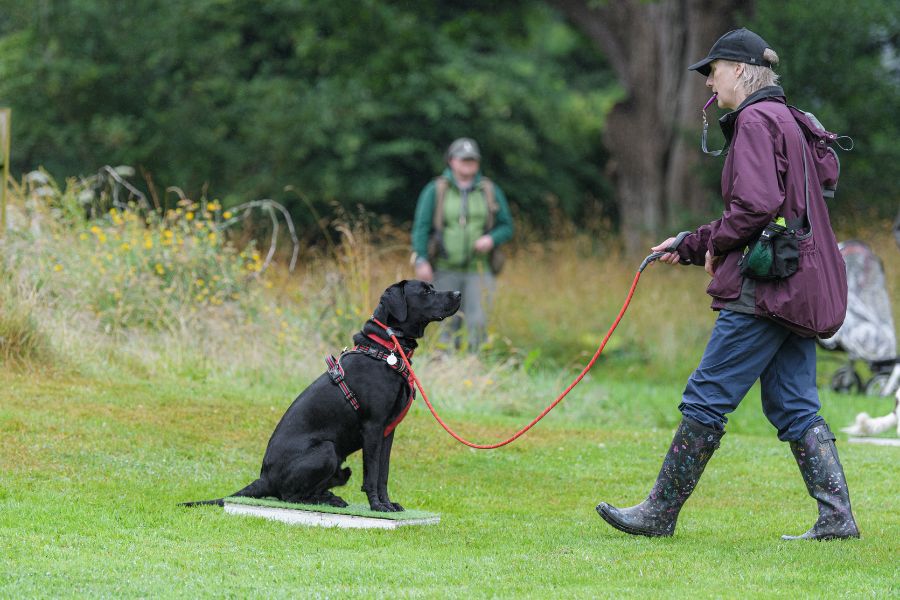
point(584, 371)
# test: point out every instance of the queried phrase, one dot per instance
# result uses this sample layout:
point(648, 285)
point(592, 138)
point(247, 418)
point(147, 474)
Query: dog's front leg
point(373, 442)
point(383, 470)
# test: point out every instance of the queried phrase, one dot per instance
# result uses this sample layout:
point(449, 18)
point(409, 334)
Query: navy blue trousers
point(742, 349)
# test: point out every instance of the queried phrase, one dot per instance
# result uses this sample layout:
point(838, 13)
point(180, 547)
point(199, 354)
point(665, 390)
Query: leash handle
point(519, 433)
point(670, 249)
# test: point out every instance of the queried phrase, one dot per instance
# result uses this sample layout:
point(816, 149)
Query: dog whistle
point(391, 359)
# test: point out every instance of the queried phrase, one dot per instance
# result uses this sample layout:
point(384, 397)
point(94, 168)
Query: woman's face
point(723, 80)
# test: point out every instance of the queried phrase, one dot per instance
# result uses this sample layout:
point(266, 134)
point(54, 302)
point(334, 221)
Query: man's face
point(464, 168)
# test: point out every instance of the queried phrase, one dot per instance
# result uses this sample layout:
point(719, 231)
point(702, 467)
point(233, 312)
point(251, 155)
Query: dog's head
point(408, 306)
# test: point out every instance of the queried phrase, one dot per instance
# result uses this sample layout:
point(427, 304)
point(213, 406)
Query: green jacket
point(459, 235)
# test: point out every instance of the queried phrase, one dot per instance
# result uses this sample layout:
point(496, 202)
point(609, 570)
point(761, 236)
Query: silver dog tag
point(391, 359)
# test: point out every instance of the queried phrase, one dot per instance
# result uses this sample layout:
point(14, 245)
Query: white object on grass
point(874, 440)
point(322, 519)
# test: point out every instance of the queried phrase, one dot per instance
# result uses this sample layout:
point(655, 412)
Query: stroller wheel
point(846, 380)
point(875, 386)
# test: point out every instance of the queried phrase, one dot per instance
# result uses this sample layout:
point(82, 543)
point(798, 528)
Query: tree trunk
point(653, 134)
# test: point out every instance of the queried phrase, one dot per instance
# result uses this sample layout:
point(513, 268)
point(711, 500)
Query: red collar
point(384, 343)
point(380, 341)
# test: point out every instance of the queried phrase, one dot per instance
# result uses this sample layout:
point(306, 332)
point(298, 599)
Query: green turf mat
point(358, 510)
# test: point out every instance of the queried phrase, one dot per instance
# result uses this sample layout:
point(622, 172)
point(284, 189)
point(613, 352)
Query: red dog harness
point(336, 373)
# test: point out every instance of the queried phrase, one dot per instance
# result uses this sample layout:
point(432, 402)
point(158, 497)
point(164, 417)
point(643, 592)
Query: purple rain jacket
point(763, 178)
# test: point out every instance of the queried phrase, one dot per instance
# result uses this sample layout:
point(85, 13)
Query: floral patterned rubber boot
point(692, 447)
point(821, 468)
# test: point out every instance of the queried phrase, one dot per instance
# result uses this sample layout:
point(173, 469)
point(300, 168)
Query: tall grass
point(169, 291)
point(22, 340)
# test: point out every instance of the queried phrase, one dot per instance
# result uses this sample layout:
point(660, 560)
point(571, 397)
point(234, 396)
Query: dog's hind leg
point(310, 475)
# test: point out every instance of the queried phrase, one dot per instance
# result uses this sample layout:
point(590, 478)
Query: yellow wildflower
point(189, 216)
point(226, 214)
point(57, 268)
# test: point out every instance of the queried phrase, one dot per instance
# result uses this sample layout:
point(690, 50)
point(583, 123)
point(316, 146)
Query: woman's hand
point(711, 263)
point(669, 257)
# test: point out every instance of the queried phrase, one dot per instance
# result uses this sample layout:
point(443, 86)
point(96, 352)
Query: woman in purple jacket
point(765, 329)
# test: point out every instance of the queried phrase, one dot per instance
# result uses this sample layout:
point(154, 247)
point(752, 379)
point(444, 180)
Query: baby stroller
point(868, 331)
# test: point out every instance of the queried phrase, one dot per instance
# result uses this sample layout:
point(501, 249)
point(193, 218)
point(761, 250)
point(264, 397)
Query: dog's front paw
point(397, 507)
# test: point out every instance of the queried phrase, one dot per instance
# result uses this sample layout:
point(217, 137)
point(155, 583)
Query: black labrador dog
point(354, 405)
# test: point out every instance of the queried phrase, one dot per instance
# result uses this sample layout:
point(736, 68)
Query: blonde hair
point(756, 77)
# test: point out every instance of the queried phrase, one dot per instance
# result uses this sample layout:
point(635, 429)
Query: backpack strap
point(440, 190)
point(441, 184)
point(487, 188)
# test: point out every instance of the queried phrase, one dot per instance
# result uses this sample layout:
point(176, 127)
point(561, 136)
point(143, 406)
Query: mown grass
point(92, 470)
point(109, 423)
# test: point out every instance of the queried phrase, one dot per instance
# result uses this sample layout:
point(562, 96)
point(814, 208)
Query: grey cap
point(464, 148)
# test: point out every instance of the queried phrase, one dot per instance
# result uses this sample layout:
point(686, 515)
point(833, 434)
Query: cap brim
point(702, 67)
point(466, 156)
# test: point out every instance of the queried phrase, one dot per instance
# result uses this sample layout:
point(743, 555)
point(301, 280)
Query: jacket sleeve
point(757, 189)
point(503, 228)
point(423, 220)
point(692, 249)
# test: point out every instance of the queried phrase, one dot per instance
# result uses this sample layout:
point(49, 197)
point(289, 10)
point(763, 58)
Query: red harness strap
point(336, 373)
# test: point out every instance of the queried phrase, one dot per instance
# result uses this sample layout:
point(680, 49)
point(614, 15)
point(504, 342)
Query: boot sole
point(601, 510)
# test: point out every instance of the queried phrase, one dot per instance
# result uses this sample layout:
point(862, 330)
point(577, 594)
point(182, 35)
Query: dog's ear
point(394, 301)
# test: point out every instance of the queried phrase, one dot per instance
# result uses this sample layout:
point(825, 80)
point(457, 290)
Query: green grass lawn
point(91, 471)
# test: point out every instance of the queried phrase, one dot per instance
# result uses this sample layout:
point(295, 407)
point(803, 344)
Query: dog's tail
point(257, 489)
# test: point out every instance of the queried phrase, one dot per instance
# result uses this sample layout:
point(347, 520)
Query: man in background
point(461, 220)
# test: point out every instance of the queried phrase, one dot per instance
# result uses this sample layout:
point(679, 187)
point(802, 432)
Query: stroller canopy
point(868, 331)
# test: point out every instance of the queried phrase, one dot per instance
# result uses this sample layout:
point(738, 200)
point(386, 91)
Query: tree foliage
point(352, 102)
point(355, 102)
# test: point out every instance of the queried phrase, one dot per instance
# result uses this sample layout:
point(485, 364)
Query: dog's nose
point(456, 295)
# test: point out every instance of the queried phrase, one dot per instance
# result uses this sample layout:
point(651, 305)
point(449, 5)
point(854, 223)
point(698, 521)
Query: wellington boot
point(691, 449)
point(817, 457)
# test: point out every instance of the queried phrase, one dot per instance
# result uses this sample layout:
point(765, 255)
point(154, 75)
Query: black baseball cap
point(738, 45)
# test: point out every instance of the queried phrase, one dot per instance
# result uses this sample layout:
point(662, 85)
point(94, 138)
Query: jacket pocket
point(726, 283)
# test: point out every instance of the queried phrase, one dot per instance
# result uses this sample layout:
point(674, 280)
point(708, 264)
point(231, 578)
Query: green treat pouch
point(774, 255)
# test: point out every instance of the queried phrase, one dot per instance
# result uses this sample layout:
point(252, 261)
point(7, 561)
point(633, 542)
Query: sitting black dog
point(356, 404)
